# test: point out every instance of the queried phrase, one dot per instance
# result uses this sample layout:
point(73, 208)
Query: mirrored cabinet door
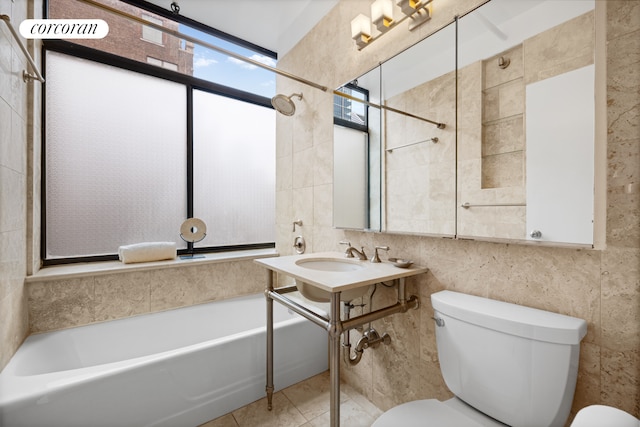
point(420, 146)
point(357, 142)
point(486, 129)
point(526, 120)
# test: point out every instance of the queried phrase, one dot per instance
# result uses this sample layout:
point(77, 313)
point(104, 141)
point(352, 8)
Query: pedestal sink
point(336, 265)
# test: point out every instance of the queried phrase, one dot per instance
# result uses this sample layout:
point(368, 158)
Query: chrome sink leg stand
point(269, 387)
point(334, 326)
point(335, 331)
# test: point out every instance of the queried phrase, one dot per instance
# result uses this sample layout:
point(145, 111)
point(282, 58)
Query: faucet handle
point(347, 253)
point(375, 257)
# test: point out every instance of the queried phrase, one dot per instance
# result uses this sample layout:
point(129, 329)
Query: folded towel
point(148, 251)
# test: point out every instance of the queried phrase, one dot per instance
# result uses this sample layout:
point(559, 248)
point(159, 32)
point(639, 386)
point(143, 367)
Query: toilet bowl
point(600, 415)
point(450, 413)
point(506, 364)
point(456, 413)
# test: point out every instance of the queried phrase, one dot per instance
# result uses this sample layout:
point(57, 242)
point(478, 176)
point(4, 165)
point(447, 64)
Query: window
point(115, 158)
point(234, 164)
point(151, 34)
point(132, 149)
point(347, 110)
point(161, 63)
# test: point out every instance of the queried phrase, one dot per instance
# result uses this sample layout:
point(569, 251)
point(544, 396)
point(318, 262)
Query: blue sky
point(211, 65)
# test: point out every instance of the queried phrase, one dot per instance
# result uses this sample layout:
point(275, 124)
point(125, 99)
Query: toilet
point(506, 364)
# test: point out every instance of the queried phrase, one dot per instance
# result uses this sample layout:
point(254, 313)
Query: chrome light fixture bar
point(417, 11)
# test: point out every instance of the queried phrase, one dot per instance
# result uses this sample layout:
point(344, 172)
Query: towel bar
point(468, 205)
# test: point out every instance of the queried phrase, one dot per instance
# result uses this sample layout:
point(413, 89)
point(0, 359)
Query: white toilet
point(505, 364)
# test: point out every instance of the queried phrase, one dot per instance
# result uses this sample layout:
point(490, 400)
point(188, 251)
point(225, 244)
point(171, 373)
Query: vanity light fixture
point(417, 11)
point(361, 30)
point(382, 14)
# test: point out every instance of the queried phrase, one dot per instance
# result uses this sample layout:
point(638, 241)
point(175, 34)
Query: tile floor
point(305, 404)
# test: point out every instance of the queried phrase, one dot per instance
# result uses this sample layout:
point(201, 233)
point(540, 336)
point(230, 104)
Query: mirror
point(515, 159)
point(419, 157)
point(356, 154)
point(526, 121)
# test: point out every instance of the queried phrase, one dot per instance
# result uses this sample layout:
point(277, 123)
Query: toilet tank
point(516, 364)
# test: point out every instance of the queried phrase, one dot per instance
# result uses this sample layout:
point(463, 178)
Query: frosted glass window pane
point(115, 158)
point(234, 170)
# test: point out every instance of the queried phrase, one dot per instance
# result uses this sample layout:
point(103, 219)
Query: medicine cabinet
point(517, 87)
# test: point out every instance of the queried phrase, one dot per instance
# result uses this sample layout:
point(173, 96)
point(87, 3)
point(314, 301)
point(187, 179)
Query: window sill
point(110, 267)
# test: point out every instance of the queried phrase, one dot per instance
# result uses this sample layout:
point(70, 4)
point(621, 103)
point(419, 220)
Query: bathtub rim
point(79, 270)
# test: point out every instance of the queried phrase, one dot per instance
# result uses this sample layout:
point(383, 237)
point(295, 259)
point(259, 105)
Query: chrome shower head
point(284, 104)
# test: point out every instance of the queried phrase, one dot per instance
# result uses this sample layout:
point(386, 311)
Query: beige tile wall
point(602, 287)
point(15, 128)
point(420, 179)
point(63, 303)
point(503, 142)
point(490, 170)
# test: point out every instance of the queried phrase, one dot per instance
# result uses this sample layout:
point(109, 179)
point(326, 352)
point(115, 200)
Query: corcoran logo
point(64, 28)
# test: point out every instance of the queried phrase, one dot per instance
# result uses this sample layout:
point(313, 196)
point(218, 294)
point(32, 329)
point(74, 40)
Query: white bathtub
point(176, 368)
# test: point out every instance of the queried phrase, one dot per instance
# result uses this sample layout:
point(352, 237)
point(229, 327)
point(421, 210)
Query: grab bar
point(468, 205)
point(434, 140)
point(26, 76)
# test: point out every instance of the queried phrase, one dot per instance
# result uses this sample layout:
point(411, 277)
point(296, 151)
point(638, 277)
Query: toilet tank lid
point(510, 318)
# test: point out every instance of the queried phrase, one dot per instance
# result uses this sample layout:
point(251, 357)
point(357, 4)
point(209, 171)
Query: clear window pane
point(115, 158)
point(128, 38)
point(216, 67)
point(234, 170)
point(348, 108)
point(131, 39)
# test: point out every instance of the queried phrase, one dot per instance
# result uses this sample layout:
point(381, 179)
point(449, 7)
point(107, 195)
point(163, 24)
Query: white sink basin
point(329, 264)
point(336, 265)
point(316, 294)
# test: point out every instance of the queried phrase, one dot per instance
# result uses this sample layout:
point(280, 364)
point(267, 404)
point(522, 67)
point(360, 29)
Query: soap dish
point(402, 263)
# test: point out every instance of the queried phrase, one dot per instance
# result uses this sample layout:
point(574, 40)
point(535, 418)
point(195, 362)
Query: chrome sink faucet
point(375, 257)
point(350, 250)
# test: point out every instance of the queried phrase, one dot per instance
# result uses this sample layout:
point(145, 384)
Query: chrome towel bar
point(468, 205)
point(434, 140)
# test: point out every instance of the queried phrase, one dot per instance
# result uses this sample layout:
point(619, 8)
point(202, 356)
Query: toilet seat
point(419, 413)
point(600, 415)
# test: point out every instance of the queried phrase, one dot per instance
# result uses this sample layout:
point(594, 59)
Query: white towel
point(148, 251)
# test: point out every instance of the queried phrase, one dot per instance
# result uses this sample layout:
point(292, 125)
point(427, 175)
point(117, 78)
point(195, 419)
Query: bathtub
point(176, 368)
